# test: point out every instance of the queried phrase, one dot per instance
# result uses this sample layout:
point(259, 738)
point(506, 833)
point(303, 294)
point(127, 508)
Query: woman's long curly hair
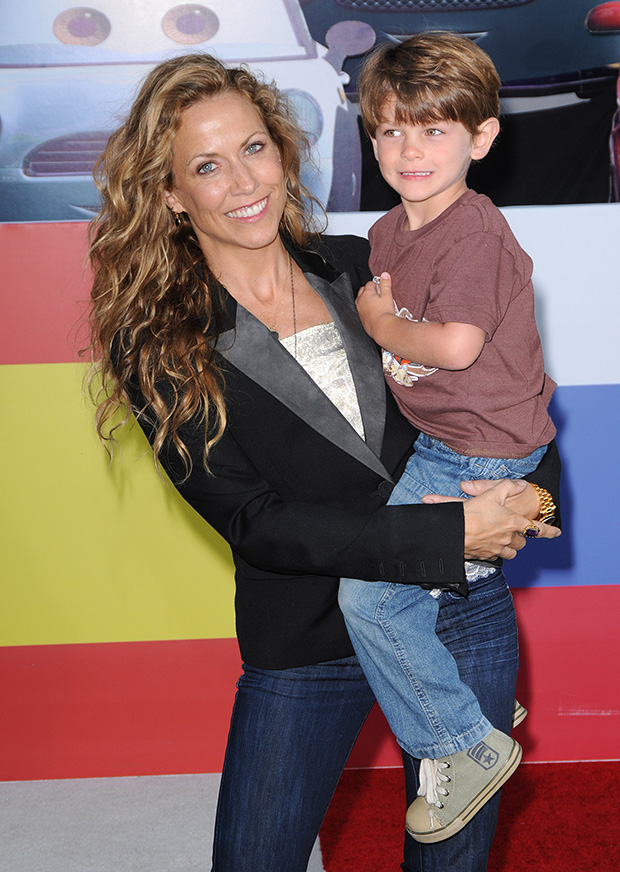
point(150, 305)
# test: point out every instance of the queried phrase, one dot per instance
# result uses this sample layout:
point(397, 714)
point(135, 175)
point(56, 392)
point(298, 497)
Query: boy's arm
point(452, 345)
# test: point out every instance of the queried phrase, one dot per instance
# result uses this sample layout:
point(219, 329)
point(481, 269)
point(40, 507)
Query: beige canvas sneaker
point(454, 788)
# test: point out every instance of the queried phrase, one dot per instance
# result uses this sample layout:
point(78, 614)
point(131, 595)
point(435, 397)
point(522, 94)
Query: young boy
point(463, 358)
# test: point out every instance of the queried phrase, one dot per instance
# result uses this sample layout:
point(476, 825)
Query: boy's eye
point(391, 132)
point(433, 131)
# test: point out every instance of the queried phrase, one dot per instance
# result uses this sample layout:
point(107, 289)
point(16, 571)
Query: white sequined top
point(320, 351)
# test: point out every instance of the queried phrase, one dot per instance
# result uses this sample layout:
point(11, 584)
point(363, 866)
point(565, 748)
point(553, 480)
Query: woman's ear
point(172, 201)
point(484, 138)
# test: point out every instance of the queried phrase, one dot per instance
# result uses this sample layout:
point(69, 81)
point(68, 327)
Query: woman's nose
point(242, 180)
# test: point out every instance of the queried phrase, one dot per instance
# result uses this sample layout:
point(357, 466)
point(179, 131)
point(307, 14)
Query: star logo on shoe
point(483, 755)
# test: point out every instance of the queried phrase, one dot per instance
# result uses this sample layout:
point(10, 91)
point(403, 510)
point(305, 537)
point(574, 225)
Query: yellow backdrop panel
point(93, 553)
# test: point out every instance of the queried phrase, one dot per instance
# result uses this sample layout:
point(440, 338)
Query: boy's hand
point(375, 303)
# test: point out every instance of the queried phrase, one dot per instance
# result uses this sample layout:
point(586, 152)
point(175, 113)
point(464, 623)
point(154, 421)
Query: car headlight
point(308, 112)
point(190, 23)
point(81, 25)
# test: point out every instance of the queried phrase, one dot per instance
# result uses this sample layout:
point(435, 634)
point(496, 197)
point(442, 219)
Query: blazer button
point(385, 488)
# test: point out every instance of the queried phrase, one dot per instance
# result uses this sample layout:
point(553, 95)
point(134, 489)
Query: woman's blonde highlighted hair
point(151, 300)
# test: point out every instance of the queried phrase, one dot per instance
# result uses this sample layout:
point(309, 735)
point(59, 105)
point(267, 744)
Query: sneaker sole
point(474, 807)
point(519, 714)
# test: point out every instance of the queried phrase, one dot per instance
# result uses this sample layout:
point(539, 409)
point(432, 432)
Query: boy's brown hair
point(433, 76)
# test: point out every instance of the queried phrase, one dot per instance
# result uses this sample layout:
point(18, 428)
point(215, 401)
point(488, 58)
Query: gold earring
point(177, 216)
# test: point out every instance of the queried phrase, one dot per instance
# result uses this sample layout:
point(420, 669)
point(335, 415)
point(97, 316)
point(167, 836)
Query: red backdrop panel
point(147, 708)
point(45, 284)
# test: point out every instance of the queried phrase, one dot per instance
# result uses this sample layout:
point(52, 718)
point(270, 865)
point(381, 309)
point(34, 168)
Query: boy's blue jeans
point(414, 677)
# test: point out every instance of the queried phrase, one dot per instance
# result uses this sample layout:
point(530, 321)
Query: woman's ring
point(531, 531)
point(377, 280)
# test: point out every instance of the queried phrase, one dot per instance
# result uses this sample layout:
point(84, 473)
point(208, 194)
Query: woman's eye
point(206, 168)
point(254, 147)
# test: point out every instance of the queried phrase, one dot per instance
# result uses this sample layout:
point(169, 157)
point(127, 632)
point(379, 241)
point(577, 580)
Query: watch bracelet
point(547, 506)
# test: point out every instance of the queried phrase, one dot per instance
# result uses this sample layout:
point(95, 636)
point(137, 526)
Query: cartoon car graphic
point(68, 75)
point(615, 146)
point(558, 62)
point(605, 18)
point(540, 45)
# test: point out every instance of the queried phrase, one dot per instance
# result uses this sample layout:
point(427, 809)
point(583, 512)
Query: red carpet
point(554, 817)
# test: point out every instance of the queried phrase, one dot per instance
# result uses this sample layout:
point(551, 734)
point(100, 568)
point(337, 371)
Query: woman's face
point(227, 175)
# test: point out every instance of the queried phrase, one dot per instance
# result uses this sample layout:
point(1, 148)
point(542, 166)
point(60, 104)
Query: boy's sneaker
point(454, 788)
point(519, 713)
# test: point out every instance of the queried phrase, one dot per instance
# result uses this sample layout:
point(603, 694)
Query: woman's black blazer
point(298, 495)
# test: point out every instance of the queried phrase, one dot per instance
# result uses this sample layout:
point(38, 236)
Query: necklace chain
point(290, 264)
point(272, 327)
point(274, 323)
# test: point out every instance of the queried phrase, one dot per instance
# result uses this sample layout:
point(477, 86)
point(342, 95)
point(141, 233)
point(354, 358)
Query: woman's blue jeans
point(292, 731)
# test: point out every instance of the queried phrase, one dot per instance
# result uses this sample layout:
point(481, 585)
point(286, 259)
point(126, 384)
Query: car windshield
point(119, 32)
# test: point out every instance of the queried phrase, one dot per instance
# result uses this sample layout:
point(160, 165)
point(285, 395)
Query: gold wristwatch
point(547, 506)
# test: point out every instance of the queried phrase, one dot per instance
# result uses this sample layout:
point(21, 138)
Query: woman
point(216, 314)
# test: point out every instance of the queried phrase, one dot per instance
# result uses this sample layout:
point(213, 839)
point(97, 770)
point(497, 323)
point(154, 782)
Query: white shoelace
point(431, 778)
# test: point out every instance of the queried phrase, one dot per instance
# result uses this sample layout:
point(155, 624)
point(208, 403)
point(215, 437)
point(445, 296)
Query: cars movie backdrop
point(117, 649)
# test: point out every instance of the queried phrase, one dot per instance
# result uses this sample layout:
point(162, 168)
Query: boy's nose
point(412, 149)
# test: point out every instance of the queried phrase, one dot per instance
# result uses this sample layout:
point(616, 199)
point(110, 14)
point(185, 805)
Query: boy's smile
point(427, 163)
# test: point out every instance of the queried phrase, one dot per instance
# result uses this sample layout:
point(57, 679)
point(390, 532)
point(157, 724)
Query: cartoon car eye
point(308, 112)
point(81, 25)
point(190, 23)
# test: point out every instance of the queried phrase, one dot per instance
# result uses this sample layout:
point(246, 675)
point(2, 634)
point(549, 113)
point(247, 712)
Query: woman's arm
point(477, 514)
point(524, 502)
point(409, 544)
point(546, 475)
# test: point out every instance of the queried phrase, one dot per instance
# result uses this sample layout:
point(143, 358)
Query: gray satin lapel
point(259, 354)
point(362, 354)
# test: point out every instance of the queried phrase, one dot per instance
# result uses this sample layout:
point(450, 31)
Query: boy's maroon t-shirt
point(467, 266)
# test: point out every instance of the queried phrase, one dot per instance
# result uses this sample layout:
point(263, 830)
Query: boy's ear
point(374, 147)
point(483, 139)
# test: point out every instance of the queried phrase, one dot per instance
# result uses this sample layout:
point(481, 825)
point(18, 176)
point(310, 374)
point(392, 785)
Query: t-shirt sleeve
point(473, 283)
point(379, 236)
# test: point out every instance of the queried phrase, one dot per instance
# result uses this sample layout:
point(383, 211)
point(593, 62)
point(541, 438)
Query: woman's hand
point(494, 520)
point(525, 502)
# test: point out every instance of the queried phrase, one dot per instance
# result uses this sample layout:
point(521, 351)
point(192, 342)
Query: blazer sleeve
point(547, 475)
point(408, 544)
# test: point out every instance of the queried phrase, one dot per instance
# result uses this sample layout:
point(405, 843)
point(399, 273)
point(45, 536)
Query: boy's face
point(427, 163)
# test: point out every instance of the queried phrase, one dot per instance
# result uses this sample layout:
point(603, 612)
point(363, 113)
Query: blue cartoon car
point(558, 61)
point(538, 46)
point(69, 74)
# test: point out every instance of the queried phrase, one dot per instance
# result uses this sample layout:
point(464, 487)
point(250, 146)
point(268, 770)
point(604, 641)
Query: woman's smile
point(250, 213)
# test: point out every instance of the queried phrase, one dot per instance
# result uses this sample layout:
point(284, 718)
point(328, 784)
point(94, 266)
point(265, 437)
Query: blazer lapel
point(362, 355)
point(257, 352)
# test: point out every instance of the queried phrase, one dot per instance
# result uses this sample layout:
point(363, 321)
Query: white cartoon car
point(69, 74)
